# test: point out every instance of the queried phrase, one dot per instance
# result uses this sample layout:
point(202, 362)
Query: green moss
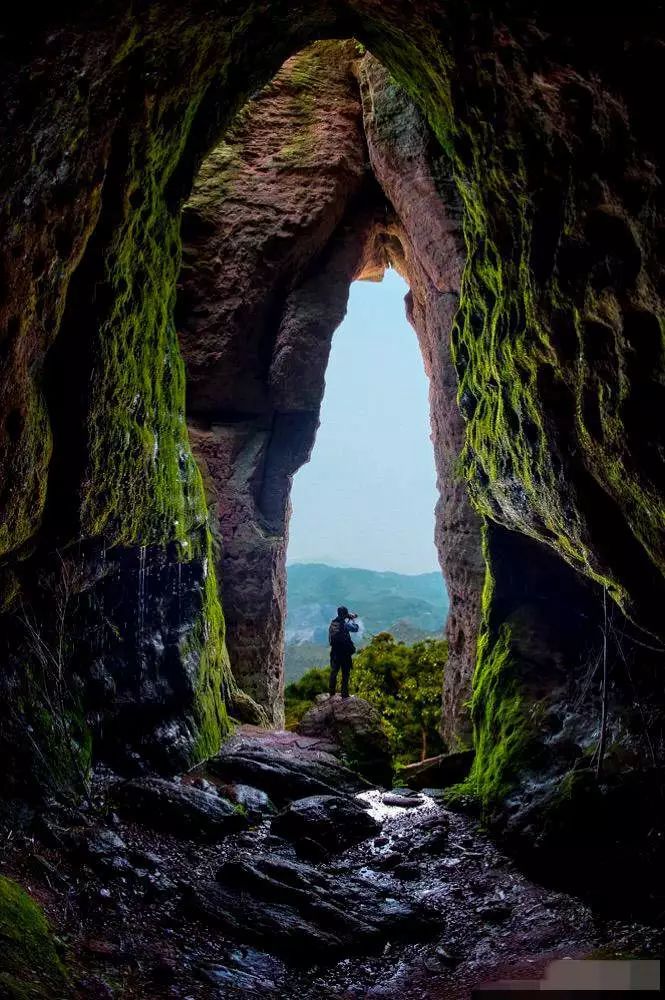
point(503, 722)
point(66, 746)
point(244, 709)
point(523, 397)
point(500, 725)
point(56, 734)
point(216, 687)
point(301, 83)
point(218, 172)
point(142, 486)
point(142, 483)
point(307, 74)
point(206, 645)
point(9, 589)
point(30, 968)
point(27, 465)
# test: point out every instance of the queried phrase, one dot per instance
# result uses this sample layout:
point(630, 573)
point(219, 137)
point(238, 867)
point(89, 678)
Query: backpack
point(338, 635)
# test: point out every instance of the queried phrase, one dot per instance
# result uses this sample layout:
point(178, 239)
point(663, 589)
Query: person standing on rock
point(341, 648)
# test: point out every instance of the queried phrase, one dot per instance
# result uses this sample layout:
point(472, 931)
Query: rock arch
point(543, 122)
point(309, 192)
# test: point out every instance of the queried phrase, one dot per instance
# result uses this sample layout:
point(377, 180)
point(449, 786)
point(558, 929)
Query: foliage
point(301, 695)
point(403, 682)
point(29, 964)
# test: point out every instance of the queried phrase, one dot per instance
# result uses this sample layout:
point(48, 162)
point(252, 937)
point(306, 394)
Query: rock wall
point(280, 222)
point(545, 120)
point(272, 241)
point(415, 178)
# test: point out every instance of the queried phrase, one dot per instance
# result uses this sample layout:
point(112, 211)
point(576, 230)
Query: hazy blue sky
point(367, 497)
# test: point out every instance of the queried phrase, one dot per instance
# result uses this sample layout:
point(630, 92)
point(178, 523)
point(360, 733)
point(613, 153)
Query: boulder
point(246, 973)
point(356, 728)
point(438, 772)
point(285, 766)
point(293, 910)
point(255, 802)
point(178, 808)
point(329, 822)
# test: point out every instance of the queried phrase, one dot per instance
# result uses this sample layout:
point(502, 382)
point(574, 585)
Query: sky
point(367, 496)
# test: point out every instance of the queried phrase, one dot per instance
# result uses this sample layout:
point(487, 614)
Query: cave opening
point(358, 533)
point(505, 162)
point(349, 508)
point(306, 194)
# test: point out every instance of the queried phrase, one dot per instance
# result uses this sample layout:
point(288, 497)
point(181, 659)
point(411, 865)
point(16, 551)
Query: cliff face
point(274, 233)
point(416, 179)
point(541, 126)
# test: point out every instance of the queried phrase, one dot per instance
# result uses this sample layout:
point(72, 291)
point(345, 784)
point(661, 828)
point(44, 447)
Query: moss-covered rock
point(30, 967)
point(502, 715)
point(355, 727)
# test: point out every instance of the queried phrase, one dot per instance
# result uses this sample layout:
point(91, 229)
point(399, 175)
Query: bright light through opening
point(367, 497)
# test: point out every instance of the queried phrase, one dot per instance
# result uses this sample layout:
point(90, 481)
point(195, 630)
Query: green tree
point(404, 683)
point(299, 696)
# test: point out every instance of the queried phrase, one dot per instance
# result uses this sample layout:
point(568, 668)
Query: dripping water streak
point(141, 605)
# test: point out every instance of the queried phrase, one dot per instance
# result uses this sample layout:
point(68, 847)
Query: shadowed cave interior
point(182, 224)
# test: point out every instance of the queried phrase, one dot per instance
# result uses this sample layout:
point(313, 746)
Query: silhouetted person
point(341, 648)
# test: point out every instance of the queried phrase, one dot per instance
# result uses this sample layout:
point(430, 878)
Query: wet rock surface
point(285, 766)
point(304, 914)
point(178, 808)
point(324, 823)
point(403, 798)
point(424, 904)
point(354, 726)
point(255, 802)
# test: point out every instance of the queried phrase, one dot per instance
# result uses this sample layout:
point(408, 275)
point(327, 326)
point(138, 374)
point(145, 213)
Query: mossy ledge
point(30, 968)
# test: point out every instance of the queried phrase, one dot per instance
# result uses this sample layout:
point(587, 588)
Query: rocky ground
point(277, 872)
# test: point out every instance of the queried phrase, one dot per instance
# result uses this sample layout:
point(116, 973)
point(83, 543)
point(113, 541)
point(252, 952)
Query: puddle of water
point(379, 810)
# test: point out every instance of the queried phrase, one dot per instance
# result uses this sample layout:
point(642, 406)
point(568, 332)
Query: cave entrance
point(362, 526)
point(329, 175)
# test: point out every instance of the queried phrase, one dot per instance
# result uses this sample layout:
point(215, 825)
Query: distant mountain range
point(411, 607)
